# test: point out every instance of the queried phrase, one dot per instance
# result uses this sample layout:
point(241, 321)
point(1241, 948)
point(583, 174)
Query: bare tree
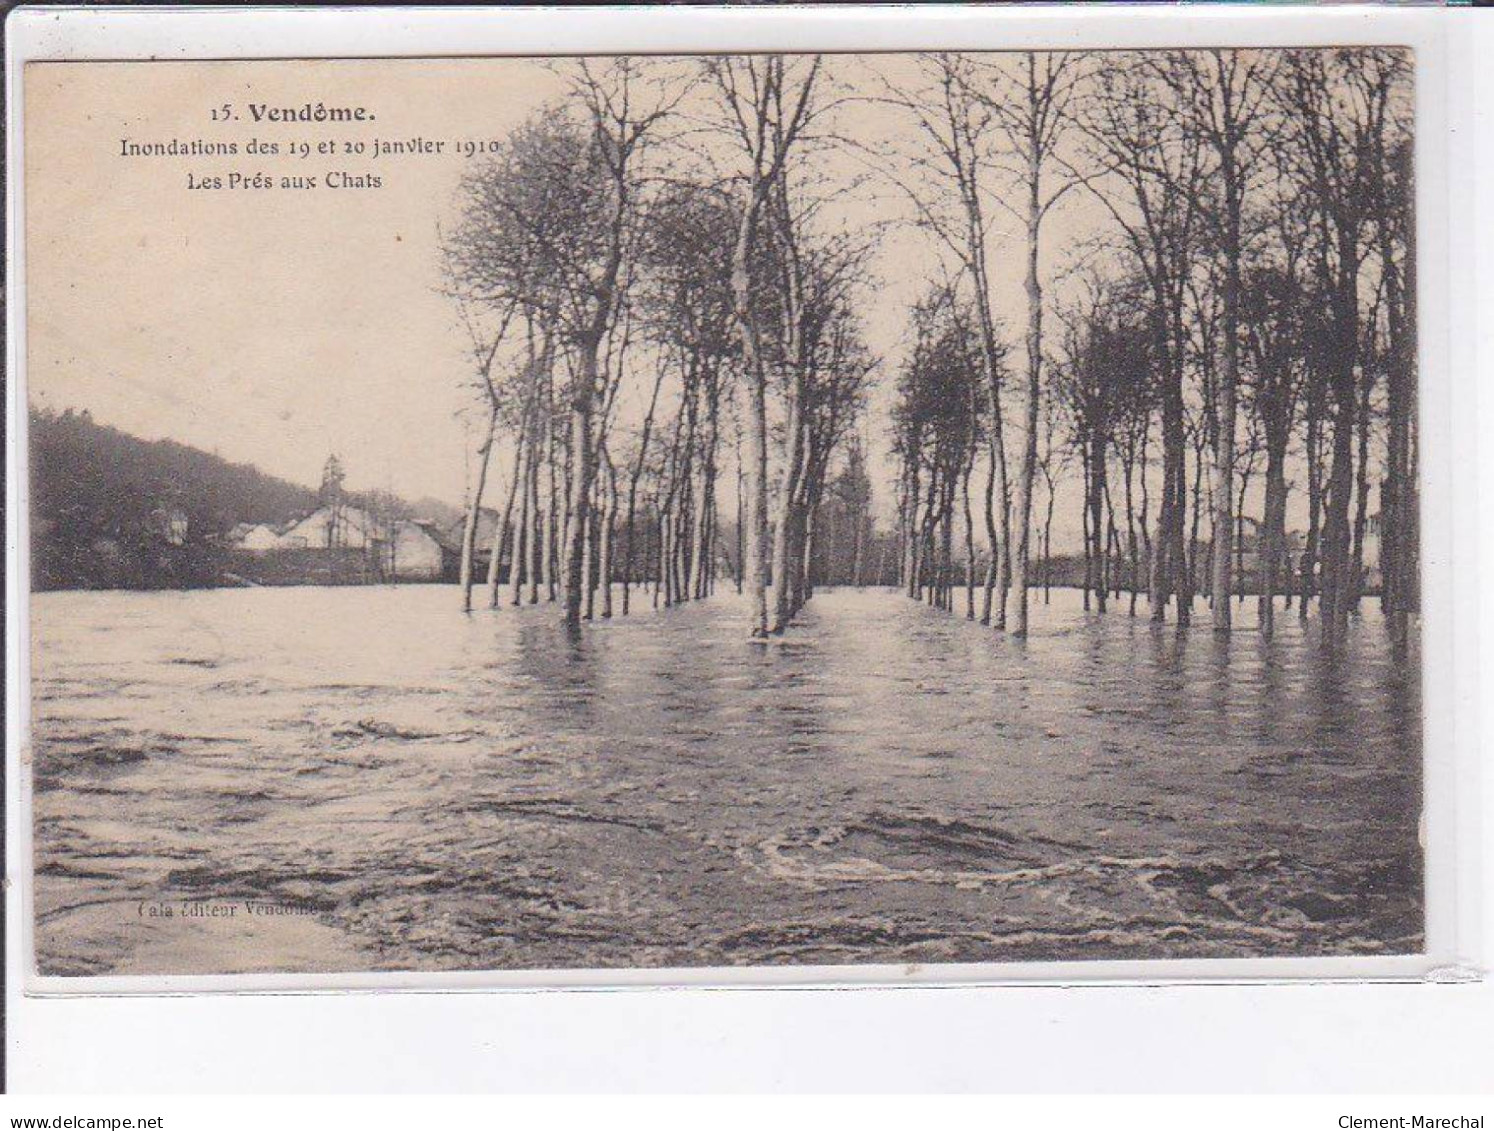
point(1276, 310)
point(1338, 103)
point(767, 103)
point(1225, 99)
point(1032, 101)
point(1133, 141)
point(484, 352)
point(949, 186)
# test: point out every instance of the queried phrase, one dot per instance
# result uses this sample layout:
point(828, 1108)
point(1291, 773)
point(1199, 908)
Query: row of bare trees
point(1240, 310)
point(640, 307)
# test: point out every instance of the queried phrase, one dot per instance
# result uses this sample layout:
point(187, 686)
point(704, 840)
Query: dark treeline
point(109, 510)
point(1241, 335)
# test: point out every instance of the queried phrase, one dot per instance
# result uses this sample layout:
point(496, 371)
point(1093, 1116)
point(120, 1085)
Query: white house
point(414, 552)
point(332, 528)
point(402, 548)
point(259, 539)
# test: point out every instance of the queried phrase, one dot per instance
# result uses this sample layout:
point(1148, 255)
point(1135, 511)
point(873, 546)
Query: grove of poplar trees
point(635, 316)
point(1244, 317)
point(666, 296)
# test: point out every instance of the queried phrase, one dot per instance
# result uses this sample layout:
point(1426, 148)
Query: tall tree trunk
point(1086, 513)
point(755, 412)
point(583, 470)
point(1133, 549)
point(1167, 548)
point(1337, 559)
point(701, 557)
point(1273, 532)
point(969, 539)
point(1095, 496)
point(1309, 566)
point(588, 566)
point(997, 525)
point(991, 538)
point(474, 511)
point(1238, 540)
point(635, 475)
point(858, 549)
point(1361, 491)
point(1190, 574)
point(1398, 552)
point(518, 559)
point(501, 535)
point(1220, 587)
point(787, 512)
point(806, 556)
point(609, 528)
point(1048, 547)
point(1022, 518)
point(911, 528)
point(1337, 545)
point(741, 522)
point(536, 526)
point(1113, 544)
point(552, 503)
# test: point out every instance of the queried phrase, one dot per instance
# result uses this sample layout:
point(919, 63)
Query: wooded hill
point(113, 511)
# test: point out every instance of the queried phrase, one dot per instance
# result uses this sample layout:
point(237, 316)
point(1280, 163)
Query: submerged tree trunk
point(1221, 583)
point(1190, 574)
point(474, 511)
point(1238, 541)
point(1048, 542)
point(609, 527)
point(1309, 564)
point(635, 475)
point(536, 527)
point(1133, 550)
point(741, 521)
point(583, 470)
point(552, 502)
point(1022, 518)
point(1338, 585)
point(1361, 493)
point(787, 516)
point(754, 384)
point(1273, 532)
point(518, 557)
point(1094, 463)
point(1398, 552)
point(501, 539)
point(969, 538)
point(1167, 547)
point(991, 538)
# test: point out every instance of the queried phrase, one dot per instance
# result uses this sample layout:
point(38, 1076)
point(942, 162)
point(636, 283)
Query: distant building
point(402, 549)
point(333, 527)
point(414, 553)
point(257, 538)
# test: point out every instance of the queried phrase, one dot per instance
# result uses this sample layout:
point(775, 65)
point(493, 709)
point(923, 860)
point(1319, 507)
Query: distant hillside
point(112, 511)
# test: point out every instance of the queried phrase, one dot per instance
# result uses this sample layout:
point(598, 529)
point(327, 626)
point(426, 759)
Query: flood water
point(398, 785)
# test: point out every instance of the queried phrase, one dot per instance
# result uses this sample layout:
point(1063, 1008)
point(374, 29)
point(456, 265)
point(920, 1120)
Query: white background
point(1302, 1037)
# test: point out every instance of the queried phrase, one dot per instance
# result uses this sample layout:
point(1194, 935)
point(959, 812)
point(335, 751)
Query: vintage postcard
point(622, 513)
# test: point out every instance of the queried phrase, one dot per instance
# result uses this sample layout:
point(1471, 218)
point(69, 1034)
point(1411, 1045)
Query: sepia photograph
point(738, 511)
